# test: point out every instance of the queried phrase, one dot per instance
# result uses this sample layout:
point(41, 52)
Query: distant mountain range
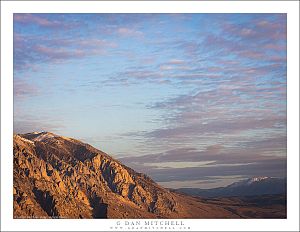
point(249, 187)
point(61, 177)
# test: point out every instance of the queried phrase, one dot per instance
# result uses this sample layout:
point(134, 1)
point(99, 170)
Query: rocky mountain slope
point(249, 187)
point(60, 177)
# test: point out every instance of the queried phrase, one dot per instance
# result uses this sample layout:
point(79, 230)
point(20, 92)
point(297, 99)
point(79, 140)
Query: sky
point(192, 100)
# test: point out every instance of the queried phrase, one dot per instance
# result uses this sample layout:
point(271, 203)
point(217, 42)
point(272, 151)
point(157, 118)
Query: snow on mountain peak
point(39, 136)
point(249, 181)
point(257, 179)
point(42, 136)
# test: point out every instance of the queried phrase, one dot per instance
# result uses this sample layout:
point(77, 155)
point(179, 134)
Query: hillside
point(60, 177)
point(255, 186)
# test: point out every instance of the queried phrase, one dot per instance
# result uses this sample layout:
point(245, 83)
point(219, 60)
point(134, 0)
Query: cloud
point(123, 31)
point(234, 101)
point(254, 39)
point(274, 167)
point(221, 107)
point(247, 152)
point(218, 164)
point(176, 65)
point(204, 182)
point(32, 50)
point(57, 54)
point(231, 115)
point(176, 61)
point(30, 18)
point(43, 21)
point(23, 89)
point(233, 126)
point(214, 56)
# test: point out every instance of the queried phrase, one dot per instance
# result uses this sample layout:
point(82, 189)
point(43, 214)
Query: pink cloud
point(275, 47)
point(123, 31)
point(33, 18)
point(176, 62)
point(23, 88)
point(29, 50)
point(59, 53)
point(93, 42)
point(247, 32)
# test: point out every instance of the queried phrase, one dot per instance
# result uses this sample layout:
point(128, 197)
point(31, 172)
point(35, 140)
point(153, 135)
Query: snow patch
point(257, 179)
point(249, 181)
point(44, 136)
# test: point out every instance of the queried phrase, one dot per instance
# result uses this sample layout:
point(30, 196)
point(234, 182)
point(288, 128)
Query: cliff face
point(55, 176)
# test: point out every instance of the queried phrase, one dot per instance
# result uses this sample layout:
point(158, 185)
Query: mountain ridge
point(77, 180)
point(61, 177)
point(260, 185)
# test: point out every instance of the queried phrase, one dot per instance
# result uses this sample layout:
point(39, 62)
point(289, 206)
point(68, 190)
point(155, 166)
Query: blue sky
point(193, 100)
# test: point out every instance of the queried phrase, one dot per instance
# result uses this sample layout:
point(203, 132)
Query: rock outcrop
point(59, 177)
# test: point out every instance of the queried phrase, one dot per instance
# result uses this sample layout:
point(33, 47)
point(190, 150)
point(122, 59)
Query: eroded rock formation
point(55, 176)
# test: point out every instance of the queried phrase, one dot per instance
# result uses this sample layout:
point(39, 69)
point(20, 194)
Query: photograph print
point(140, 116)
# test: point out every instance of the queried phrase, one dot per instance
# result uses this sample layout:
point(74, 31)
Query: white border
point(10, 7)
